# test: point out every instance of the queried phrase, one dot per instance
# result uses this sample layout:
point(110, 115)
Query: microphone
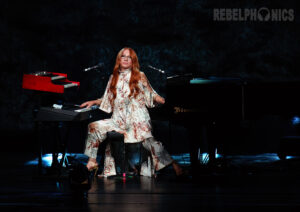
point(99, 65)
point(159, 70)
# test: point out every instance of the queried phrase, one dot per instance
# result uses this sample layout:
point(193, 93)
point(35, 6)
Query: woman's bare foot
point(92, 164)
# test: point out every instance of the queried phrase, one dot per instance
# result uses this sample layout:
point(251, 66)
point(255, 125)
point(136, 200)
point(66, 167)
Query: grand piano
point(220, 106)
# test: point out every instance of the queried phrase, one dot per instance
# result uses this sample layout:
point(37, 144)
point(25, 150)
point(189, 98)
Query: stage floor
point(235, 183)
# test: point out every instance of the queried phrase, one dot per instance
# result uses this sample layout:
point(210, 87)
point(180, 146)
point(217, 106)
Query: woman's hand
point(89, 104)
point(159, 99)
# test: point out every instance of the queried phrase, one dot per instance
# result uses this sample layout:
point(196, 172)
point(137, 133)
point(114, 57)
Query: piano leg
point(203, 138)
point(212, 136)
point(195, 138)
point(195, 164)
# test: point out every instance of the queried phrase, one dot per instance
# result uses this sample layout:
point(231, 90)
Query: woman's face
point(125, 60)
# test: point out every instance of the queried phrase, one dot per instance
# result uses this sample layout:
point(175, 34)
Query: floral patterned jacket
point(129, 114)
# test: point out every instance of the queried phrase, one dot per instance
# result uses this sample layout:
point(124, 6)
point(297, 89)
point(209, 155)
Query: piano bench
point(289, 146)
point(128, 156)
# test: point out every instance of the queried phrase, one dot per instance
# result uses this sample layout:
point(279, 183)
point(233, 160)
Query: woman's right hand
point(89, 104)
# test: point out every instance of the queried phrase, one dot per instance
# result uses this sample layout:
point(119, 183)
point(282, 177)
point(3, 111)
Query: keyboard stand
point(60, 143)
point(59, 123)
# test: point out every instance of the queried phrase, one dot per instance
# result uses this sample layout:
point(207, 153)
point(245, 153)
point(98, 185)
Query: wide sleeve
point(148, 92)
point(105, 103)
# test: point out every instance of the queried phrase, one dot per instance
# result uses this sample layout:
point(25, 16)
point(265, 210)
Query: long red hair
point(135, 74)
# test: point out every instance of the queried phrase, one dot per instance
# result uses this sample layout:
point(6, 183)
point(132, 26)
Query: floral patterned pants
point(97, 133)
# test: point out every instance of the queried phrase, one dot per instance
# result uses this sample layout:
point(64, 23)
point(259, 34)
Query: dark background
point(177, 36)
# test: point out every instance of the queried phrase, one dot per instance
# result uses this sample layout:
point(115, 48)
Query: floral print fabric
point(130, 117)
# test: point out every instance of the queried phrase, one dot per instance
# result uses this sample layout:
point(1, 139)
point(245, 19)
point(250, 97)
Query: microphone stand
point(159, 70)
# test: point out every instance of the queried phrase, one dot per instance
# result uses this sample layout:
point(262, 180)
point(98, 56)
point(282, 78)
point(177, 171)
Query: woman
point(127, 95)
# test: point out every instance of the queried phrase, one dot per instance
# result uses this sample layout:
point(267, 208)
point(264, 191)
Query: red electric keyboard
point(48, 81)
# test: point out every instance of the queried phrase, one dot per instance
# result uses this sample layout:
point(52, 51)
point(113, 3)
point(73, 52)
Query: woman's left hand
point(159, 99)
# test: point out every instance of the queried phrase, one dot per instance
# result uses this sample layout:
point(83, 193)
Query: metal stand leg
point(40, 146)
